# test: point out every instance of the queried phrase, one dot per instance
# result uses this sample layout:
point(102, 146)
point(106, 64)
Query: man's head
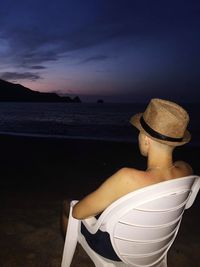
point(147, 144)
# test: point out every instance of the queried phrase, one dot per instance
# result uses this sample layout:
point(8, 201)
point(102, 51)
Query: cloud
point(35, 33)
point(35, 36)
point(10, 76)
point(95, 58)
point(37, 67)
point(38, 57)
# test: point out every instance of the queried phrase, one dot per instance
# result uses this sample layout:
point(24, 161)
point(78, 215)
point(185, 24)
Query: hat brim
point(135, 121)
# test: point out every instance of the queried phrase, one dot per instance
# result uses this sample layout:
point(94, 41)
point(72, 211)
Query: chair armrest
point(73, 203)
point(91, 224)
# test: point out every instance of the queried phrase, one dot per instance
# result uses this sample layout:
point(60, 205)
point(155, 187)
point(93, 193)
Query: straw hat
point(164, 122)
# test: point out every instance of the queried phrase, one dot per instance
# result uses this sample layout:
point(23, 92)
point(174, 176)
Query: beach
point(38, 173)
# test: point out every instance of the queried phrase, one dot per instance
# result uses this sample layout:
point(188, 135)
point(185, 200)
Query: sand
point(37, 174)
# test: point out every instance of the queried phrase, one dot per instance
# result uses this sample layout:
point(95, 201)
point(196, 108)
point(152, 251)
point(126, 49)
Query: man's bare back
point(123, 182)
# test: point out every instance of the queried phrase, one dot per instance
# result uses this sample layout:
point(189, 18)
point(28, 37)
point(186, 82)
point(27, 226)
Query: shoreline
point(70, 167)
point(39, 164)
point(65, 137)
point(43, 159)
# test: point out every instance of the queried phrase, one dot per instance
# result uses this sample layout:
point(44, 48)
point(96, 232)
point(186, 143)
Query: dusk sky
point(115, 50)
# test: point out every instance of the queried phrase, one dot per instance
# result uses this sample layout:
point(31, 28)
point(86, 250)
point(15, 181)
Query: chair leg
point(163, 263)
point(70, 241)
point(97, 259)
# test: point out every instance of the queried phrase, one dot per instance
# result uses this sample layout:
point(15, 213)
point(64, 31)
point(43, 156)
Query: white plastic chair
point(142, 225)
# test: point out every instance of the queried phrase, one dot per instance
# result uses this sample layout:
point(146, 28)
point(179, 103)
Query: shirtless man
point(162, 127)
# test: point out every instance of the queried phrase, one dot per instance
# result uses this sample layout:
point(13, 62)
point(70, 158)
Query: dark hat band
point(157, 135)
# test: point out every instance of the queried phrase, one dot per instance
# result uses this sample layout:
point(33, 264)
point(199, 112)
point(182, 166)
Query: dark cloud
point(37, 67)
point(95, 58)
point(36, 37)
point(30, 58)
point(35, 33)
point(10, 76)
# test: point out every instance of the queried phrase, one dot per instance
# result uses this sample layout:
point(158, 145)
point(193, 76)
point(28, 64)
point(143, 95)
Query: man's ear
point(146, 140)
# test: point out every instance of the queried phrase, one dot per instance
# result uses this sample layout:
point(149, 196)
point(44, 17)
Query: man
point(162, 127)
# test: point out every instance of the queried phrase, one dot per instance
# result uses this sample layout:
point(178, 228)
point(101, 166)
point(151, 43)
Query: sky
point(116, 50)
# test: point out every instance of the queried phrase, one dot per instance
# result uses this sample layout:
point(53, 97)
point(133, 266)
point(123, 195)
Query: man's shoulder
point(132, 175)
point(129, 172)
point(184, 166)
point(133, 179)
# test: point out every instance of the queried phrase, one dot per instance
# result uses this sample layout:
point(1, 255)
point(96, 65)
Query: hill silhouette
point(11, 92)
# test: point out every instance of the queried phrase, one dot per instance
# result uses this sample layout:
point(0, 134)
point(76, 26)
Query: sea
point(97, 121)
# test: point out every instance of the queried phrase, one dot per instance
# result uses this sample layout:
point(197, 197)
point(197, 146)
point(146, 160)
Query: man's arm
point(113, 188)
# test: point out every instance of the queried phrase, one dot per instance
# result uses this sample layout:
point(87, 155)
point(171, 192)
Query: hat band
point(157, 135)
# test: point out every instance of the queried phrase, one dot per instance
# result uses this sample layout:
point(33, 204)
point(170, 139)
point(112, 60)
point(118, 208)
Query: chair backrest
point(143, 224)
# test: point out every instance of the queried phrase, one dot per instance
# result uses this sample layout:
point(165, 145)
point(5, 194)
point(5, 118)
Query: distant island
point(11, 92)
point(100, 101)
